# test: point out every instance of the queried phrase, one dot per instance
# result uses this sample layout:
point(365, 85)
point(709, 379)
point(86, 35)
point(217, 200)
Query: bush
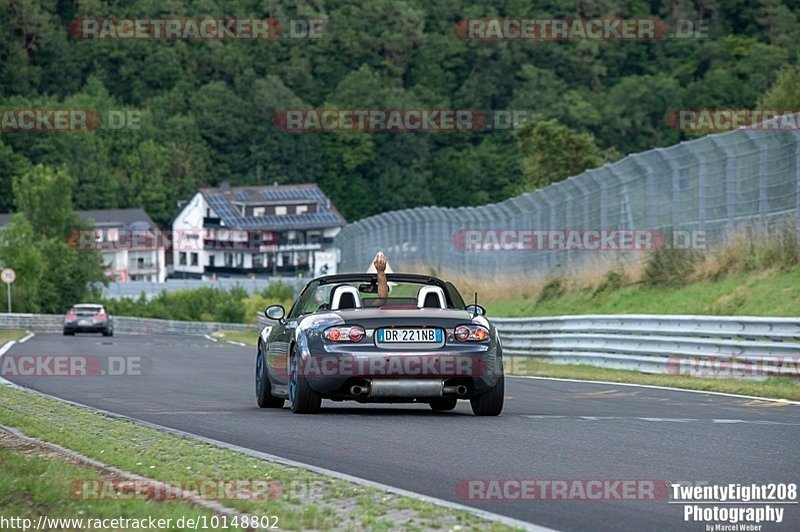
point(552, 289)
point(669, 267)
point(204, 304)
point(612, 280)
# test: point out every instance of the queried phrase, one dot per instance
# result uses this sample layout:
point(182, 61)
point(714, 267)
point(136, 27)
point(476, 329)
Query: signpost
point(7, 276)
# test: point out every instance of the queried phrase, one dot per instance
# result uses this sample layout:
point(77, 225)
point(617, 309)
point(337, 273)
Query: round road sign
point(8, 276)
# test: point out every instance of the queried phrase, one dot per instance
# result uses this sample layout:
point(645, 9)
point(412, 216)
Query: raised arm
point(380, 266)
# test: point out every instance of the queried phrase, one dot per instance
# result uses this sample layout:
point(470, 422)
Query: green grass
point(769, 293)
point(245, 337)
point(310, 500)
point(35, 484)
point(6, 335)
point(775, 387)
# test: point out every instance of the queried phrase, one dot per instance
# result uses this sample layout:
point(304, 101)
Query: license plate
point(409, 336)
point(84, 322)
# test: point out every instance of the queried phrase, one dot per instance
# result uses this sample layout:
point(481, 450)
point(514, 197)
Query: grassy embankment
point(36, 483)
point(748, 277)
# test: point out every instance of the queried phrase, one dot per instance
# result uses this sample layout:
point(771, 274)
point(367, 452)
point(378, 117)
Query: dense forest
point(207, 106)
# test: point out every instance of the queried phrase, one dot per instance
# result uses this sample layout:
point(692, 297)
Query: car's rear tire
point(106, 332)
point(441, 404)
point(489, 403)
point(304, 399)
point(69, 333)
point(264, 397)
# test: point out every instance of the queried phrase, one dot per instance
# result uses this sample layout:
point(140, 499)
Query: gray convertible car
point(342, 342)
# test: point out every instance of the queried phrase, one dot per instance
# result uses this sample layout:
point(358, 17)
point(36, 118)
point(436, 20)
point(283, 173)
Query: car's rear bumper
point(392, 375)
point(95, 327)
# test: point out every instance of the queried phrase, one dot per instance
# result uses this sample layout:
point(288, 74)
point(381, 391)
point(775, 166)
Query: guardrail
point(122, 324)
point(726, 346)
point(717, 345)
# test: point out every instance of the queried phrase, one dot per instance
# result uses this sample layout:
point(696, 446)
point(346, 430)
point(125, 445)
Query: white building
point(130, 243)
point(267, 230)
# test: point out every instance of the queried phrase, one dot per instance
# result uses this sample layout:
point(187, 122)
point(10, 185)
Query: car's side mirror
point(275, 312)
point(476, 310)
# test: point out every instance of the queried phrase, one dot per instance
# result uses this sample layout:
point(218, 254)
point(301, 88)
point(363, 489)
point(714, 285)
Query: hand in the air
point(380, 262)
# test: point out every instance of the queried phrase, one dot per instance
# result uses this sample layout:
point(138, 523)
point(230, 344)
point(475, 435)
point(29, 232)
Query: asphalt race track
point(548, 430)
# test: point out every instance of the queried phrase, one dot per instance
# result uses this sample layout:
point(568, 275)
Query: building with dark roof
point(130, 242)
point(261, 230)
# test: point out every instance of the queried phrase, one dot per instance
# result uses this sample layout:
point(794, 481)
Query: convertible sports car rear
point(427, 347)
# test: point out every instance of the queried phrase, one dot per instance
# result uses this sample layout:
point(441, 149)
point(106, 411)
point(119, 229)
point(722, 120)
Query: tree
point(552, 152)
point(53, 273)
point(785, 92)
point(42, 195)
point(12, 165)
point(19, 251)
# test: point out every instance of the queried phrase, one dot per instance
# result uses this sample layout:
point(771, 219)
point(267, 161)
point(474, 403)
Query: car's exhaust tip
point(358, 389)
point(459, 389)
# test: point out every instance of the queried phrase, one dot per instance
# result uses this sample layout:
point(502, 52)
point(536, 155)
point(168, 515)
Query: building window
point(301, 209)
point(281, 210)
point(182, 258)
point(259, 211)
point(194, 259)
point(211, 260)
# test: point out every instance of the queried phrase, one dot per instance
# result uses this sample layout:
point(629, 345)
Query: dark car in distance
point(342, 342)
point(88, 318)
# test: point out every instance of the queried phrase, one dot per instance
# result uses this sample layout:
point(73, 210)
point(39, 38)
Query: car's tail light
point(99, 317)
point(350, 333)
point(71, 316)
point(471, 333)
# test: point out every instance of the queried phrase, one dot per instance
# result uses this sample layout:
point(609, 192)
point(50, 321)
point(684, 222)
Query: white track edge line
point(26, 338)
point(233, 342)
point(510, 521)
point(657, 387)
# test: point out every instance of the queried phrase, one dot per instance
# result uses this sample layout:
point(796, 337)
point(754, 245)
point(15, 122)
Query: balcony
point(146, 268)
point(223, 271)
